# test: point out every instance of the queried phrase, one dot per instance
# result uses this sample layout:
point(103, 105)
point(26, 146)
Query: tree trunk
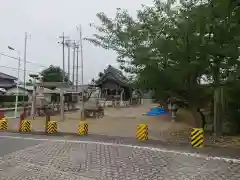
point(197, 117)
point(165, 106)
point(218, 111)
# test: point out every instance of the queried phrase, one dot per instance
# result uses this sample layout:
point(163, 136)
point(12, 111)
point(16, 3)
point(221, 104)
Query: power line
point(63, 37)
point(22, 69)
point(17, 69)
point(12, 57)
point(37, 64)
point(30, 62)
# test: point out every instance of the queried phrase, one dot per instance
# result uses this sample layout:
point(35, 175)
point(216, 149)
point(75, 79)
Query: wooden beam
point(54, 84)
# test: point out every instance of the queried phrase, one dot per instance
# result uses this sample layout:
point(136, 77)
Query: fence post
point(47, 121)
point(22, 117)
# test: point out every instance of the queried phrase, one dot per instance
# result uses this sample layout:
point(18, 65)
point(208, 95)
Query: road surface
point(29, 157)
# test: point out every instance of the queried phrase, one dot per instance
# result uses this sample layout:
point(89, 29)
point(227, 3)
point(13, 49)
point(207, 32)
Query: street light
point(18, 75)
point(33, 109)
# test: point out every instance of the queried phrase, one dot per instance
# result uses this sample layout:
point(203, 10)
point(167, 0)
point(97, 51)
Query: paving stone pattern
point(83, 161)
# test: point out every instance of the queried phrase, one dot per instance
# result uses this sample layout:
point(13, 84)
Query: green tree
point(222, 51)
point(157, 47)
point(53, 74)
point(171, 48)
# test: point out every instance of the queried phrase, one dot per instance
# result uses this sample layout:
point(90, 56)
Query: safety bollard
point(25, 126)
point(22, 117)
point(82, 128)
point(197, 137)
point(86, 128)
point(142, 132)
point(3, 124)
point(52, 127)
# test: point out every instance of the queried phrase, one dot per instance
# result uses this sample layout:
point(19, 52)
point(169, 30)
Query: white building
point(28, 90)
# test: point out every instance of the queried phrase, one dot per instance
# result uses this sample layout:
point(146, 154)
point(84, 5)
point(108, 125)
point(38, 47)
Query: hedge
point(12, 98)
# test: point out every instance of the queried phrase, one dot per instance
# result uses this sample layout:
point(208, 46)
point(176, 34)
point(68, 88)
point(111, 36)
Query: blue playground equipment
point(157, 111)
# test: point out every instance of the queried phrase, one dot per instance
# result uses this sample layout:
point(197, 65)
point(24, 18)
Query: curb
point(119, 138)
point(46, 134)
point(106, 137)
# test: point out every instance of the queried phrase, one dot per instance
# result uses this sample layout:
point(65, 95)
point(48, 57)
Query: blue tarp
point(156, 112)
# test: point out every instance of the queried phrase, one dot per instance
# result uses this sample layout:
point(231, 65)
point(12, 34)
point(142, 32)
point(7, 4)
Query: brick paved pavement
point(68, 160)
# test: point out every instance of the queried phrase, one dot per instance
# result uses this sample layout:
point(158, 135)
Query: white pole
point(81, 51)
point(73, 64)
point(63, 54)
point(77, 49)
point(16, 101)
point(68, 45)
point(34, 99)
point(62, 105)
point(25, 61)
point(81, 47)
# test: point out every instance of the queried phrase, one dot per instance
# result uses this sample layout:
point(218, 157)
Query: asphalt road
point(11, 145)
point(63, 158)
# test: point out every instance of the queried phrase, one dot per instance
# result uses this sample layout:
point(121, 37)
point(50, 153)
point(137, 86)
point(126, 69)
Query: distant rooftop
point(6, 76)
point(57, 90)
point(116, 75)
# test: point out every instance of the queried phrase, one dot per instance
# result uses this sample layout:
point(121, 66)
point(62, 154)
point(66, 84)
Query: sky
point(45, 21)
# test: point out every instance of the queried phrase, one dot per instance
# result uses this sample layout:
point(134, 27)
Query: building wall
point(113, 86)
point(110, 85)
point(13, 91)
point(5, 83)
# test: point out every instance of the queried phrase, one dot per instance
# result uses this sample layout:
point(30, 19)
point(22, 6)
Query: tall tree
point(170, 47)
point(161, 44)
point(53, 74)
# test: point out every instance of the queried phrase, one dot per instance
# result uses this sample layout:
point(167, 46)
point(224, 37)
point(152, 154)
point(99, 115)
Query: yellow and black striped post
point(3, 124)
point(197, 137)
point(82, 128)
point(52, 127)
point(25, 126)
point(142, 132)
point(86, 128)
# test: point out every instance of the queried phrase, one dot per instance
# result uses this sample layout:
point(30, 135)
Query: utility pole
point(63, 54)
point(73, 63)
point(81, 51)
point(62, 105)
point(77, 50)
point(68, 44)
point(18, 74)
point(25, 60)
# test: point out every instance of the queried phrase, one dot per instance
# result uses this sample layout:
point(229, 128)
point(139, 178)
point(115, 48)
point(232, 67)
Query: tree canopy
point(53, 74)
point(174, 48)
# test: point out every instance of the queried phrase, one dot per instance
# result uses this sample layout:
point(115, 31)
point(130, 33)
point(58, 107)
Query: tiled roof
point(6, 76)
point(30, 88)
point(6, 85)
point(114, 74)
